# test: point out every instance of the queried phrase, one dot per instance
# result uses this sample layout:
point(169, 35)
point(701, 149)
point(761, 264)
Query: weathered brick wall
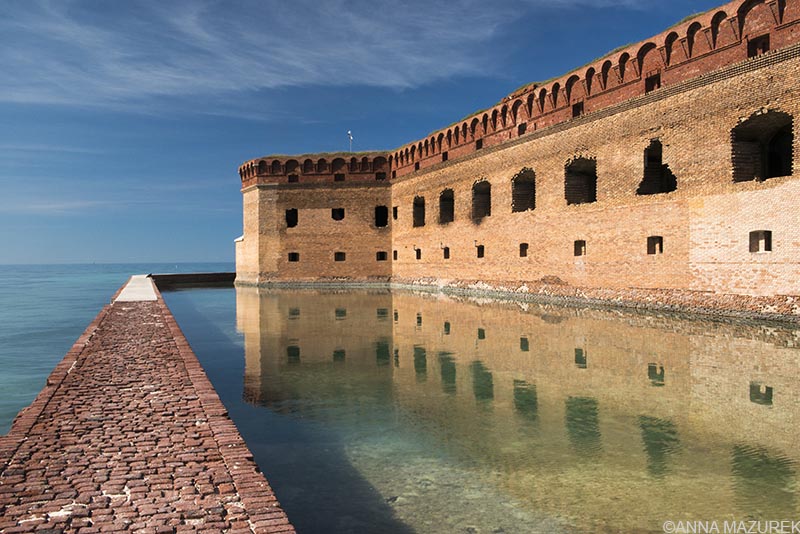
point(694, 236)
point(704, 224)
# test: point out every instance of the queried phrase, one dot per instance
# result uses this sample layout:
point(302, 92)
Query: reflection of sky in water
point(378, 412)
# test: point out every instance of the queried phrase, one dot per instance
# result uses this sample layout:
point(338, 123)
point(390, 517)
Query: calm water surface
point(45, 308)
point(390, 412)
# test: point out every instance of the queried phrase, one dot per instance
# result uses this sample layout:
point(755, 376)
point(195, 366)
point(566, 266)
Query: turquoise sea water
point(43, 310)
point(393, 412)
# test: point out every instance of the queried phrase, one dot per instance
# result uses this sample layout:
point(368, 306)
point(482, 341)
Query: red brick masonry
point(129, 435)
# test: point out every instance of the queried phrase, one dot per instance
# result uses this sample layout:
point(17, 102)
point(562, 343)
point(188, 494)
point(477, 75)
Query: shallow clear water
point(390, 412)
point(45, 308)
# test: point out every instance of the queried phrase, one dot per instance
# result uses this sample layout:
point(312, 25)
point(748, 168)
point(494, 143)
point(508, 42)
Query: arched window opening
point(691, 34)
point(308, 166)
point(580, 181)
point(516, 116)
point(715, 24)
point(762, 147)
point(523, 191)
point(481, 201)
point(658, 177)
point(446, 207)
point(623, 62)
point(276, 167)
point(589, 79)
point(669, 44)
point(604, 74)
point(419, 211)
point(262, 167)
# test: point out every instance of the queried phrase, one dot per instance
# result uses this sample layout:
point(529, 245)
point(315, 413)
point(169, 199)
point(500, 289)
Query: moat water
point(393, 412)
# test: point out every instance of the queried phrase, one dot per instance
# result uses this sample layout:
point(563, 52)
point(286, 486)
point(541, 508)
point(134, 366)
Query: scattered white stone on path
point(138, 288)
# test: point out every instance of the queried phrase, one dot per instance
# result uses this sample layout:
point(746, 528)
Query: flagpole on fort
point(350, 137)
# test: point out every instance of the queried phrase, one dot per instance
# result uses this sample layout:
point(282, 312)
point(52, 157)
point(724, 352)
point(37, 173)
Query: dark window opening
point(382, 314)
point(444, 156)
point(394, 174)
point(381, 256)
point(481, 333)
point(480, 250)
point(655, 373)
point(394, 254)
point(339, 355)
point(651, 83)
point(446, 253)
point(577, 109)
point(523, 191)
point(396, 316)
point(580, 359)
point(580, 248)
point(522, 128)
point(446, 207)
point(381, 216)
point(338, 177)
point(293, 178)
point(479, 144)
point(419, 211)
point(655, 244)
point(523, 344)
point(416, 166)
point(394, 212)
point(758, 46)
point(523, 250)
point(339, 256)
point(418, 252)
point(380, 175)
point(291, 218)
point(340, 314)
point(658, 177)
point(293, 354)
point(419, 319)
point(580, 181)
point(762, 147)
point(447, 328)
point(294, 313)
point(481, 201)
point(294, 256)
point(760, 394)
point(761, 241)
point(337, 214)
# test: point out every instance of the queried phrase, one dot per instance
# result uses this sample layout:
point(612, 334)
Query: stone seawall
point(128, 434)
point(719, 306)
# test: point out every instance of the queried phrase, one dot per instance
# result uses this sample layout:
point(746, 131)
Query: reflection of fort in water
point(680, 417)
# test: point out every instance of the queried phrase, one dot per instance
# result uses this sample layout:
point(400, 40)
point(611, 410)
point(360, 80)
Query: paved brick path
point(129, 435)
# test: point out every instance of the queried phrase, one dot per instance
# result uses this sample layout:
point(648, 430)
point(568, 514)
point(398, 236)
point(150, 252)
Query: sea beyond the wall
point(43, 311)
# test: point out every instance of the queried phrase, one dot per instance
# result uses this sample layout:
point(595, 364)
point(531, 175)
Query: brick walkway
point(129, 435)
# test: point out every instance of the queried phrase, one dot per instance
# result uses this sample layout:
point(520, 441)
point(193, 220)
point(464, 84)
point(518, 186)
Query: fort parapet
point(666, 166)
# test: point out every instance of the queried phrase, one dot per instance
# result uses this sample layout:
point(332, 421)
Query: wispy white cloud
point(47, 148)
point(126, 54)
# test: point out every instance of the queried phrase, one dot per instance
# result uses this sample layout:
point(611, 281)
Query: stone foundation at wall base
point(718, 306)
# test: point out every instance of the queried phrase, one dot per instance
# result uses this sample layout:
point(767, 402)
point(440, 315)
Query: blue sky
point(123, 123)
